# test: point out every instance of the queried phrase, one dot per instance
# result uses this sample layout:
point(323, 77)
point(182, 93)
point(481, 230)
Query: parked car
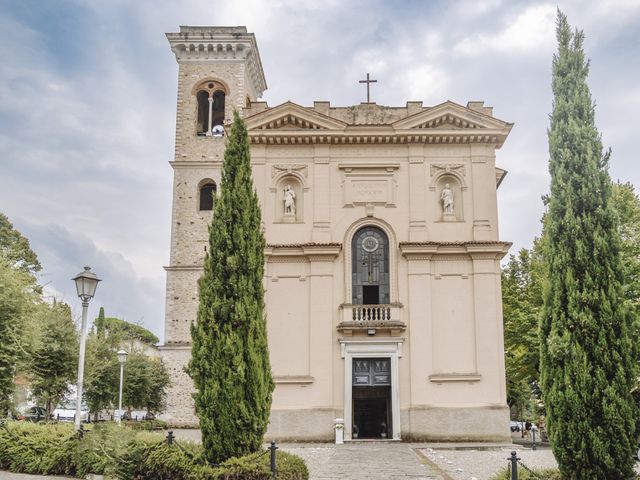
point(31, 414)
point(515, 426)
point(66, 412)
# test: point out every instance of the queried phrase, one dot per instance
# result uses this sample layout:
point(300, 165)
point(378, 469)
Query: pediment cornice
point(452, 116)
point(291, 116)
point(447, 123)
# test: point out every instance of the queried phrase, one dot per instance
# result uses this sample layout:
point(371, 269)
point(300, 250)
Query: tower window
point(210, 99)
point(207, 196)
point(203, 112)
point(217, 113)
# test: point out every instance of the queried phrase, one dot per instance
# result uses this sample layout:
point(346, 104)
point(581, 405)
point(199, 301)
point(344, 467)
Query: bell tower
point(219, 71)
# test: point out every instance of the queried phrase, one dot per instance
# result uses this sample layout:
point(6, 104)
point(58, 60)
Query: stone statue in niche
point(289, 199)
point(446, 196)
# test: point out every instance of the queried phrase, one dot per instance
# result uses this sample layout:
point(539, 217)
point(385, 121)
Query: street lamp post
point(86, 284)
point(122, 357)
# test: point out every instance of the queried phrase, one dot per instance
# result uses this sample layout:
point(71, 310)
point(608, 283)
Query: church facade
point(382, 273)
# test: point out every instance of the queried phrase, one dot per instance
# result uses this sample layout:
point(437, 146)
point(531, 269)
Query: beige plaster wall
point(451, 371)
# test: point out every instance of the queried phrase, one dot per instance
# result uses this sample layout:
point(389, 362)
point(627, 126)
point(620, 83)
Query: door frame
point(371, 348)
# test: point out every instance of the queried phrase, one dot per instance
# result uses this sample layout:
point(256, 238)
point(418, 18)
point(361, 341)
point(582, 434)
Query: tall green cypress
point(587, 364)
point(230, 359)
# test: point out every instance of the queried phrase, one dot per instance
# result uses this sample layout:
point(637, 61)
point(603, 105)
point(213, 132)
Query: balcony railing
point(360, 313)
point(371, 318)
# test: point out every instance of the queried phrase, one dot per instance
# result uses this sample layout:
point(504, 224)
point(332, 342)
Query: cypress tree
point(587, 364)
point(230, 359)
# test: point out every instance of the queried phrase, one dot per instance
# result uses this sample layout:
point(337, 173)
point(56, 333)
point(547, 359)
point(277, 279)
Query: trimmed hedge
point(120, 452)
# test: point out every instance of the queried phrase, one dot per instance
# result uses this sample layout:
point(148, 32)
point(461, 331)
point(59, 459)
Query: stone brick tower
point(219, 71)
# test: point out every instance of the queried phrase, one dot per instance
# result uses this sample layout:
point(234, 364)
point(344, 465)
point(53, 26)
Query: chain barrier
point(171, 440)
point(535, 475)
point(512, 468)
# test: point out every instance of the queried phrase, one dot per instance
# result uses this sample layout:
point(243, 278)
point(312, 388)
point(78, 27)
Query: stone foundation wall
point(450, 424)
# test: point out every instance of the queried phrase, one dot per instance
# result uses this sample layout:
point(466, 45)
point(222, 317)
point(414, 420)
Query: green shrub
point(147, 425)
point(38, 448)
point(121, 452)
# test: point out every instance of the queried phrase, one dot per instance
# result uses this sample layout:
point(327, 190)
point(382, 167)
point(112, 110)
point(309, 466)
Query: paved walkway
point(355, 460)
point(363, 461)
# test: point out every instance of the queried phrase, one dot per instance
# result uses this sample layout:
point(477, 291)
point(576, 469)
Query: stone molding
point(312, 252)
point(224, 44)
point(447, 123)
point(455, 377)
point(488, 250)
point(293, 379)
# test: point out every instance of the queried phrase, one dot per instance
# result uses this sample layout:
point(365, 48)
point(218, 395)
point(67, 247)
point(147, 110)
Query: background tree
point(230, 359)
point(522, 301)
point(17, 300)
point(145, 378)
point(627, 206)
point(16, 249)
point(145, 383)
point(55, 359)
point(587, 364)
point(102, 373)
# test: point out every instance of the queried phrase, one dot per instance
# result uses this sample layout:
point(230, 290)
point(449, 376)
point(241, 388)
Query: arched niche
point(289, 199)
point(449, 193)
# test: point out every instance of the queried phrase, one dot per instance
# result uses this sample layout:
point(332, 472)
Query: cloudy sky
point(88, 92)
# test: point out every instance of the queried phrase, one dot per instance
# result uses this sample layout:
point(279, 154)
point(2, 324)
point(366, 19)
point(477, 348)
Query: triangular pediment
point(291, 116)
point(450, 116)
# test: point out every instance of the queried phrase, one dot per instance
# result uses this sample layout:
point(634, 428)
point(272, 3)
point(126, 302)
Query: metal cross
point(367, 81)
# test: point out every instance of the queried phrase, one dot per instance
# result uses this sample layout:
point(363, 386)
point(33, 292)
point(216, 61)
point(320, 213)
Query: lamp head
point(122, 356)
point(86, 284)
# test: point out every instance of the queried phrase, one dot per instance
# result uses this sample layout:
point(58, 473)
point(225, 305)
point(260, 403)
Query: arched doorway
point(370, 267)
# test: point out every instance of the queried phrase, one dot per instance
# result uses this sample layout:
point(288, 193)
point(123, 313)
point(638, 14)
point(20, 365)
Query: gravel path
point(481, 463)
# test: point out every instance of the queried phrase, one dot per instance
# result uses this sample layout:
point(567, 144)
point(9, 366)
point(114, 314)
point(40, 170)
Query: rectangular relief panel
point(288, 326)
point(369, 183)
point(453, 333)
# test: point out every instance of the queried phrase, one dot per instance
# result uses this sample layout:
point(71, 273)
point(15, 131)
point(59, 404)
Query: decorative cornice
point(219, 44)
point(183, 268)
point(311, 251)
point(293, 379)
point(448, 123)
point(494, 250)
point(329, 137)
point(455, 377)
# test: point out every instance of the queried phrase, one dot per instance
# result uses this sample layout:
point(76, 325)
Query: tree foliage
point(522, 301)
point(230, 360)
point(145, 378)
point(16, 249)
point(102, 373)
point(145, 383)
point(54, 360)
point(588, 367)
point(17, 301)
point(122, 331)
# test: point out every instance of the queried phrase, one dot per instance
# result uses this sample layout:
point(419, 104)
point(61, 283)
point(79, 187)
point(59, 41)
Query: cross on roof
point(367, 81)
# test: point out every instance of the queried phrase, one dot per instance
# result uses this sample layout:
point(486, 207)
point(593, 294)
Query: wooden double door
point(371, 398)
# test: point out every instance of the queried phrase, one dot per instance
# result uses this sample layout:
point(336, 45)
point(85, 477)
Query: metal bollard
point(170, 438)
point(514, 465)
point(533, 445)
point(273, 449)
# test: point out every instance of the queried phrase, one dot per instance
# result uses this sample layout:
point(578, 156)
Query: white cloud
point(532, 30)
